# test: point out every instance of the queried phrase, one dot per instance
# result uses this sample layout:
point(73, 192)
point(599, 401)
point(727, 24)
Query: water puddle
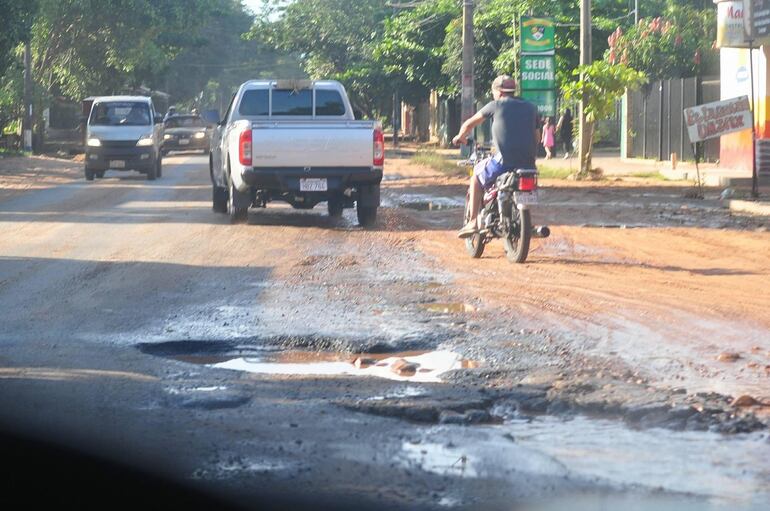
point(731, 472)
point(412, 366)
point(424, 202)
point(448, 308)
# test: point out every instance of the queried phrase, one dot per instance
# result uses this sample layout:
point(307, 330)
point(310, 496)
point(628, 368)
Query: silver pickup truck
point(295, 141)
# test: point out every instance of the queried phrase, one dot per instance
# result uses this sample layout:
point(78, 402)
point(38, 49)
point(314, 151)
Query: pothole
point(428, 206)
point(448, 308)
point(414, 366)
point(424, 202)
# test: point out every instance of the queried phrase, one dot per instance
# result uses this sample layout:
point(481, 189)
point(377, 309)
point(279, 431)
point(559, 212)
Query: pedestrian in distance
point(549, 137)
point(515, 133)
point(564, 130)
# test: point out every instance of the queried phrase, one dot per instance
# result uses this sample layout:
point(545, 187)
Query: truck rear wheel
point(219, 199)
point(89, 174)
point(367, 215)
point(236, 213)
point(335, 207)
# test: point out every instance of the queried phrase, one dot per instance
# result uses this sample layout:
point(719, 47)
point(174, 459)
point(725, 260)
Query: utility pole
point(585, 59)
point(396, 102)
point(396, 118)
point(26, 123)
point(636, 12)
point(468, 55)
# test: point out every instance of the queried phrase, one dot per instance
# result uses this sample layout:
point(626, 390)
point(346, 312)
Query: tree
point(333, 39)
point(205, 72)
point(411, 50)
point(679, 44)
point(601, 84)
point(14, 28)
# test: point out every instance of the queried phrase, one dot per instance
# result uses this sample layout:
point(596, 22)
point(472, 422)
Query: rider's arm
point(468, 126)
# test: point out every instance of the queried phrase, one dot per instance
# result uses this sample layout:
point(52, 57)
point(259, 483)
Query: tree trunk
point(585, 164)
point(422, 121)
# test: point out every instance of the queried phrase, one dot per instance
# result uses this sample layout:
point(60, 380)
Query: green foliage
point(82, 48)
point(679, 44)
point(411, 50)
point(438, 162)
point(602, 84)
point(15, 25)
point(333, 39)
point(195, 49)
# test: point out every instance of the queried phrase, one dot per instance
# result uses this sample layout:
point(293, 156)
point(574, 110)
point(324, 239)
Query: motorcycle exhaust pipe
point(541, 231)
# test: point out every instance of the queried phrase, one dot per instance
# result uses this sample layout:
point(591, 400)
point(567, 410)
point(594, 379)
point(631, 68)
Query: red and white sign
point(719, 118)
point(730, 30)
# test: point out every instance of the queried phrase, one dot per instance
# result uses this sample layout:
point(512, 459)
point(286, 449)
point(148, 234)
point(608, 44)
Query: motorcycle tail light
point(527, 183)
point(244, 147)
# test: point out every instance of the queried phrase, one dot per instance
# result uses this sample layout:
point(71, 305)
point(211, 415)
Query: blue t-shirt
point(514, 122)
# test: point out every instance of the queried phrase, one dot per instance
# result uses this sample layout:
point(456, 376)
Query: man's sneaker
point(468, 230)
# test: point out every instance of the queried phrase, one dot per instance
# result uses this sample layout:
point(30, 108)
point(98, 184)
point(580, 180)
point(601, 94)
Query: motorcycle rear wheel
point(517, 243)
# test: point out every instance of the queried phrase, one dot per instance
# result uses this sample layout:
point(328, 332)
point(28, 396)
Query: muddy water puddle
point(448, 308)
point(424, 202)
point(413, 366)
point(726, 472)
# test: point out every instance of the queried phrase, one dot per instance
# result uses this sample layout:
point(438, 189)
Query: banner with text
point(538, 63)
point(719, 118)
point(538, 72)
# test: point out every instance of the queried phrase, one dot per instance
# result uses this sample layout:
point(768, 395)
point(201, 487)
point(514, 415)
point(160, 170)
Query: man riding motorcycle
point(515, 134)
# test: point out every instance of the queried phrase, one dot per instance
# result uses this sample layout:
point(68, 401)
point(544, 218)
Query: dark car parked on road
point(186, 133)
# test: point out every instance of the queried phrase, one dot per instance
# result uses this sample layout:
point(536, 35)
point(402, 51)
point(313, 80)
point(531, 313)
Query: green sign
point(537, 35)
point(538, 72)
point(545, 100)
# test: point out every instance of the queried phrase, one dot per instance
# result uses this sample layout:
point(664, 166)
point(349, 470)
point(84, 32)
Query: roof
point(315, 83)
point(121, 98)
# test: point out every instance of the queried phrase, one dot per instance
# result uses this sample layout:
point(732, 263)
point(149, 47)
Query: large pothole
point(415, 366)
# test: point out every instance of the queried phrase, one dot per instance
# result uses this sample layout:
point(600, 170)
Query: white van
point(123, 133)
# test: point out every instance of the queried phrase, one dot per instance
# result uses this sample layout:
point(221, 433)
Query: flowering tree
point(679, 44)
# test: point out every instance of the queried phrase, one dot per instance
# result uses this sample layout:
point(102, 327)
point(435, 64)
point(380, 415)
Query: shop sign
point(731, 32)
point(713, 120)
point(538, 72)
point(545, 100)
point(756, 18)
point(537, 35)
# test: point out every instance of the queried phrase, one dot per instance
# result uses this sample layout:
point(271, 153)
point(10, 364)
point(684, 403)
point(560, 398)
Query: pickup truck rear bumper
point(286, 179)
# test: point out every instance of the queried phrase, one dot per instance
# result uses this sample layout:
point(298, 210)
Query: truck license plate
point(525, 198)
point(184, 141)
point(117, 164)
point(312, 185)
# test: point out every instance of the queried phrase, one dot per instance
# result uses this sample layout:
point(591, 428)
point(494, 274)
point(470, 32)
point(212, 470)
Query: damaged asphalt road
point(301, 357)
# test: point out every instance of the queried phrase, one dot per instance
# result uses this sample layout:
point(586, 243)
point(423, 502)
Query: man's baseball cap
point(504, 83)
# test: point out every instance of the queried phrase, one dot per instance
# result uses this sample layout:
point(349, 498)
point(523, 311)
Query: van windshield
point(120, 113)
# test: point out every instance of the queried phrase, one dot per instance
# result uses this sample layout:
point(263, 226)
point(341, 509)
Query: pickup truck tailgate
point(318, 144)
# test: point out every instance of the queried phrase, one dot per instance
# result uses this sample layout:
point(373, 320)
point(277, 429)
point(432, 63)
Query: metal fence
point(656, 121)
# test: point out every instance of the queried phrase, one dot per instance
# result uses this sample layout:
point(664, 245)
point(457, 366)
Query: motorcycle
point(504, 212)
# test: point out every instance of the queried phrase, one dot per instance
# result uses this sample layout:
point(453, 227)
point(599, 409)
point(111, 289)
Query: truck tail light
point(527, 183)
point(244, 147)
point(379, 148)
